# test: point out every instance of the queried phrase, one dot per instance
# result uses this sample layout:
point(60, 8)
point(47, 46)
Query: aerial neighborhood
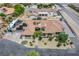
point(39, 25)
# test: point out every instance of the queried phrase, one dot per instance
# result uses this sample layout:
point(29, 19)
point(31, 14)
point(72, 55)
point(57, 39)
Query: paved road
point(74, 39)
point(67, 29)
point(8, 47)
point(70, 13)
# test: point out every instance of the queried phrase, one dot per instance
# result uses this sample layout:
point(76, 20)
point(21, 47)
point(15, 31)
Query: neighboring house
point(13, 24)
point(43, 12)
point(27, 28)
point(6, 10)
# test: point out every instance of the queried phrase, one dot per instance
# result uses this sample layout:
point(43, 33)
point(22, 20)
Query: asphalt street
point(70, 13)
point(68, 30)
point(8, 48)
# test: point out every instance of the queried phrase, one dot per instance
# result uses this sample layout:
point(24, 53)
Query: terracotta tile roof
point(51, 26)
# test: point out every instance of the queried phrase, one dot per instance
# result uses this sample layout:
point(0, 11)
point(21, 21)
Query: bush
point(62, 37)
point(18, 10)
point(37, 34)
point(2, 15)
point(7, 5)
point(30, 43)
point(50, 38)
point(32, 53)
point(64, 44)
point(56, 39)
point(59, 44)
point(38, 18)
point(24, 42)
point(33, 41)
point(45, 43)
point(33, 37)
point(67, 43)
point(45, 5)
point(40, 38)
point(71, 43)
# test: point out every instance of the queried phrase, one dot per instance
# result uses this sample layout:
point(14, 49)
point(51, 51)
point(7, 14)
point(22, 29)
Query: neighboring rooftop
point(6, 10)
point(42, 10)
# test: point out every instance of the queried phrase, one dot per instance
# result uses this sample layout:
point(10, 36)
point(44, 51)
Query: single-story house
point(43, 12)
point(50, 27)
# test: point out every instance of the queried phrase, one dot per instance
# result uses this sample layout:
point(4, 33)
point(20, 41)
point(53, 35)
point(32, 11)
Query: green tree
point(62, 37)
point(40, 5)
point(26, 4)
point(18, 10)
point(37, 33)
point(50, 38)
point(32, 53)
point(2, 15)
point(40, 38)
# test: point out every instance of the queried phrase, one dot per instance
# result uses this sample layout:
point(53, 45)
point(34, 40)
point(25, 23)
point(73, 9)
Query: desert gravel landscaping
point(31, 43)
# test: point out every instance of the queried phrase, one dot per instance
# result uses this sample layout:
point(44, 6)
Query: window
point(42, 14)
point(37, 29)
point(39, 14)
point(49, 33)
point(57, 32)
point(45, 14)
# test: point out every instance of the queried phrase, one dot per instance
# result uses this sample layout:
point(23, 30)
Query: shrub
point(45, 43)
point(32, 53)
point(33, 41)
point(68, 40)
point(71, 43)
point(45, 5)
point(38, 18)
point(7, 5)
point(50, 38)
point(64, 44)
point(37, 33)
point(24, 42)
point(56, 39)
point(18, 10)
point(59, 44)
point(62, 37)
point(33, 37)
point(2, 15)
point(30, 43)
point(40, 38)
